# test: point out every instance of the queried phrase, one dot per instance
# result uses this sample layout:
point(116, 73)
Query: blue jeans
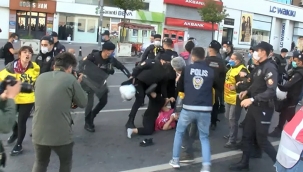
point(203, 123)
point(297, 168)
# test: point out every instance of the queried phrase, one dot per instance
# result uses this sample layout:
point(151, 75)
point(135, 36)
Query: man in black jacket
point(45, 58)
point(219, 67)
point(152, 50)
point(293, 87)
point(228, 50)
point(282, 63)
point(58, 47)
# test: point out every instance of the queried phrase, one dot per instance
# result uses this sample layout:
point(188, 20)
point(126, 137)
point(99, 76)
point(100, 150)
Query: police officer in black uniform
point(152, 50)
point(293, 87)
point(102, 60)
point(58, 47)
point(219, 67)
point(45, 58)
point(145, 74)
point(282, 63)
point(260, 107)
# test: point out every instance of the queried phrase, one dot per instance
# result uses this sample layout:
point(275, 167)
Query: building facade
point(39, 21)
point(183, 21)
point(4, 13)
point(83, 25)
point(279, 24)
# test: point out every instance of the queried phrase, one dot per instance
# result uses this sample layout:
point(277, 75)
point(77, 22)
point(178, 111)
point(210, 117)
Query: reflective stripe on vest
point(295, 127)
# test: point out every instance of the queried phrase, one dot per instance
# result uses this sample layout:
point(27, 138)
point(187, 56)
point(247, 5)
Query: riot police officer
point(102, 60)
point(152, 50)
point(260, 107)
point(58, 47)
point(282, 63)
point(45, 58)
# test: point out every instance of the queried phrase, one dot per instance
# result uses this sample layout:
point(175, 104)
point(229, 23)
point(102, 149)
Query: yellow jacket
point(29, 76)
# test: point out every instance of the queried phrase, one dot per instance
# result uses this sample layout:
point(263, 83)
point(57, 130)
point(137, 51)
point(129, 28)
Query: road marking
point(166, 166)
point(113, 86)
point(110, 110)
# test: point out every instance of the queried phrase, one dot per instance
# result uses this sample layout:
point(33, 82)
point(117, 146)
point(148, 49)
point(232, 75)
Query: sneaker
point(231, 145)
point(129, 132)
point(17, 150)
point(226, 137)
point(12, 139)
point(174, 163)
point(187, 158)
point(205, 168)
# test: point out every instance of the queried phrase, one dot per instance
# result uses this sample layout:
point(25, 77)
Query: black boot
point(256, 153)
point(89, 125)
point(243, 165)
point(130, 123)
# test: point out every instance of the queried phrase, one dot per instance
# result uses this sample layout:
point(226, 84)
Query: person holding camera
point(27, 72)
point(52, 121)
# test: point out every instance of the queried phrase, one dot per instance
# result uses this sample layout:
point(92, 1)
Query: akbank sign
point(282, 11)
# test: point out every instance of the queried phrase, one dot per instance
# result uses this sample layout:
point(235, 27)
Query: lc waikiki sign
point(282, 11)
point(190, 3)
point(189, 24)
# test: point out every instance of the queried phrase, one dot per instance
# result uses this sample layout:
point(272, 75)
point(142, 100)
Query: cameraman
point(52, 122)
point(7, 114)
point(26, 71)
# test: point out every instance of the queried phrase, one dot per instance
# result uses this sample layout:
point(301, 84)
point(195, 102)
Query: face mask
point(224, 49)
point(256, 56)
point(15, 41)
point(44, 50)
point(157, 43)
point(294, 64)
point(232, 63)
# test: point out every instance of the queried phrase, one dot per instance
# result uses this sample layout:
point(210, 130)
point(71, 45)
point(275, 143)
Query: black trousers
point(220, 95)
point(90, 112)
point(189, 137)
point(171, 91)
point(257, 123)
point(19, 129)
point(140, 95)
point(215, 111)
point(286, 115)
point(151, 114)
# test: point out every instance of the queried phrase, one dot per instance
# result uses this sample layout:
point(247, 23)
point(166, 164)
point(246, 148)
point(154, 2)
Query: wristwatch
point(252, 99)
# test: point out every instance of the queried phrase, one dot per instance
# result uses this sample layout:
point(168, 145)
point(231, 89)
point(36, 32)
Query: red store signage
point(190, 3)
point(189, 24)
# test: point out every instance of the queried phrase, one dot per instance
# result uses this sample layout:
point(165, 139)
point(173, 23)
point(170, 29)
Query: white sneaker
point(205, 168)
point(174, 163)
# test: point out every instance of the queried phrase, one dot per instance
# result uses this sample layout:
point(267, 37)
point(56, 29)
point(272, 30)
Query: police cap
point(215, 45)
point(50, 39)
point(191, 38)
point(108, 46)
point(157, 36)
point(264, 46)
point(167, 56)
point(296, 54)
point(168, 41)
point(227, 43)
point(284, 50)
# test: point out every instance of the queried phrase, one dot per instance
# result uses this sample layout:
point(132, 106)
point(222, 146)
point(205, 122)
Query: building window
point(258, 36)
point(89, 2)
point(81, 25)
point(135, 32)
point(66, 26)
point(144, 33)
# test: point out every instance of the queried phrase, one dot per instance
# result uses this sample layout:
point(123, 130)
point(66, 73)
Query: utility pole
point(101, 2)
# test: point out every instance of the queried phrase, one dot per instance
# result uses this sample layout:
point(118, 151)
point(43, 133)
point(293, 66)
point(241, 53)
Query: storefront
point(82, 25)
point(4, 13)
point(276, 23)
point(180, 27)
point(39, 21)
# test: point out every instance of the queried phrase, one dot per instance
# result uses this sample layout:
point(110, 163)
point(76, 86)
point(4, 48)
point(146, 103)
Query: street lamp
point(101, 2)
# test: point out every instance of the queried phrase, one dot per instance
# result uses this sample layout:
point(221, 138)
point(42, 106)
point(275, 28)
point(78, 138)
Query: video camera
point(10, 80)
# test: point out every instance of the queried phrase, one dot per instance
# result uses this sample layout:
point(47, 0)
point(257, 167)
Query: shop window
point(66, 26)
point(91, 26)
point(258, 36)
point(42, 15)
point(81, 25)
point(115, 20)
point(33, 13)
point(89, 2)
point(135, 32)
point(144, 33)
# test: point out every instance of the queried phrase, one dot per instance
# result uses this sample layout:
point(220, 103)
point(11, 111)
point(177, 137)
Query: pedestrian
point(45, 58)
point(102, 60)
point(293, 87)
point(282, 63)
point(196, 81)
point(8, 49)
point(26, 71)
point(237, 73)
point(250, 65)
point(228, 50)
point(260, 107)
point(52, 118)
point(58, 47)
point(220, 70)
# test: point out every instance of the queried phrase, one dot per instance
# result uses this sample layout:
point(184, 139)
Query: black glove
point(2, 155)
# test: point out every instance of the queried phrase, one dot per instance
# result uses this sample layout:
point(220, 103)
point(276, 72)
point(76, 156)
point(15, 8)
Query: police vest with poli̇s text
point(198, 82)
point(230, 96)
point(291, 143)
point(29, 76)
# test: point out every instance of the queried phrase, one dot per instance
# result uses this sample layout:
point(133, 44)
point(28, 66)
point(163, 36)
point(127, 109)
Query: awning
point(136, 26)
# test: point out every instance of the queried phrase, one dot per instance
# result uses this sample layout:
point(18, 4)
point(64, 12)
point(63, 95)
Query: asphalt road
point(109, 150)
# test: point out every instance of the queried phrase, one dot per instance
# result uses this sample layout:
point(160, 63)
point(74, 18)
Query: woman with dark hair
point(26, 71)
point(248, 30)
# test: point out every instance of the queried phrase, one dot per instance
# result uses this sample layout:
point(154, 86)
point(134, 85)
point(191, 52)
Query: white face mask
point(44, 50)
point(224, 49)
point(15, 41)
point(256, 56)
point(157, 43)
